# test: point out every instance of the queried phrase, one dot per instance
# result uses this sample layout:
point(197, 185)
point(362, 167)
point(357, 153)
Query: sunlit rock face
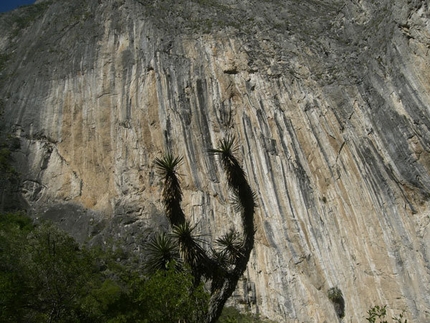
point(329, 101)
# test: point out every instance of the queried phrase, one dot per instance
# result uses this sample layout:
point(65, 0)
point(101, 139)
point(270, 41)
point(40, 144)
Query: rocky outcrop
point(329, 100)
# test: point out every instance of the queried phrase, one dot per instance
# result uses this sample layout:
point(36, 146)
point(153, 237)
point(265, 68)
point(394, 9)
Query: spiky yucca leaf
point(227, 264)
point(192, 252)
point(234, 172)
point(172, 192)
point(226, 146)
point(237, 201)
point(188, 243)
point(236, 250)
point(161, 250)
point(167, 165)
point(230, 246)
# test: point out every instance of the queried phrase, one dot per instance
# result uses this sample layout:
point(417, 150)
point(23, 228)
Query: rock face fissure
point(329, 100)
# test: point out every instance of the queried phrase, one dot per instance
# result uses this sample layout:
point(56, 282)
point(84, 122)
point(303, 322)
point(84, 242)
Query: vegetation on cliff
point(45, 276)
point(224, 265)
point(331, 104)
point(9, 177)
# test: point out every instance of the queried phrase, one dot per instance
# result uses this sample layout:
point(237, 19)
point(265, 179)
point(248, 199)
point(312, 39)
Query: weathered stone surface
point(328, 98)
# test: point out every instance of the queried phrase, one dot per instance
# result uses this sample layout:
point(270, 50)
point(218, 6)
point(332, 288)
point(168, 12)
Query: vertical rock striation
point(330, 100)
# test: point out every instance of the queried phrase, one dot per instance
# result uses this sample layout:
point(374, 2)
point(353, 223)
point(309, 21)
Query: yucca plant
point(244, 201)
point(226, 149)
point(172, 192)
point(161, 252)
point(192, 252)
point(222, 268)
point(230, 246)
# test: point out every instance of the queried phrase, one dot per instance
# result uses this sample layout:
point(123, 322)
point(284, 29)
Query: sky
point(7, 5)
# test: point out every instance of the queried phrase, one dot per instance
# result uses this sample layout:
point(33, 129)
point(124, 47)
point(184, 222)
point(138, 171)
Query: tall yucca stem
point(193, 255)
point(172, 192)
point(245, 199)
point(223, 272)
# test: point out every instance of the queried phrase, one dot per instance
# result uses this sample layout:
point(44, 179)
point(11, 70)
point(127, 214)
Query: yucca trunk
point(225, 271)
point(172, 192)
point(244, 197)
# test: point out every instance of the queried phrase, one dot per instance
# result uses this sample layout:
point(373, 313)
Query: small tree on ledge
point(225, 264)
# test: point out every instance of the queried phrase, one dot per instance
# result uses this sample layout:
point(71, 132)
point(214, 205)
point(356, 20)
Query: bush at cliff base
point(45, 276)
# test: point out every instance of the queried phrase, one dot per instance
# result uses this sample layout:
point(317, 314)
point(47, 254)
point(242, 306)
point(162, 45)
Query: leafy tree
point(13, 228)
point(45, 276)
point(161, 251)
point(8, 178)
point(223, 267)
point(169, 296)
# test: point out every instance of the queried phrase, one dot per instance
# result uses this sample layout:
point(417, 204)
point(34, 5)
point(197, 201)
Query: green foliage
point(336, 297)
point(232, 315)
point(334, 294)
point(188, 242)
point(5, 161)
point(9, 179)
point(45, 276)
point(378, 314)
point(230, 246)
point(167, 164)
point(226, 147)
point(12, 228)
point(169, 296)
point(400, 318)
point(234, 172)
point(43, 273)
point(161, 251)
point(172, 192)
point(15, 222)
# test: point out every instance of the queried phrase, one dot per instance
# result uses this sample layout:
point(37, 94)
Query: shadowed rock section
point(330, 100)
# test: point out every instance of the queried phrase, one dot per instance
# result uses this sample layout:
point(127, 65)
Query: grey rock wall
point(330, 102)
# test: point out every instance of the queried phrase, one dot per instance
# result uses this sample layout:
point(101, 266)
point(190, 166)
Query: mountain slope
point(329, 100)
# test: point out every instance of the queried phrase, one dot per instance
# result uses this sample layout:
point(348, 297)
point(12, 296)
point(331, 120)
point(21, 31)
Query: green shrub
point(378, 314)
point(168, 296)
point(43, 273)
point(233, 315)
point(45, 276)
point(336, 297)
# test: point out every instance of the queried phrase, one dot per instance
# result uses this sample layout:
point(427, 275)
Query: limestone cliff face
point(329, 99)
